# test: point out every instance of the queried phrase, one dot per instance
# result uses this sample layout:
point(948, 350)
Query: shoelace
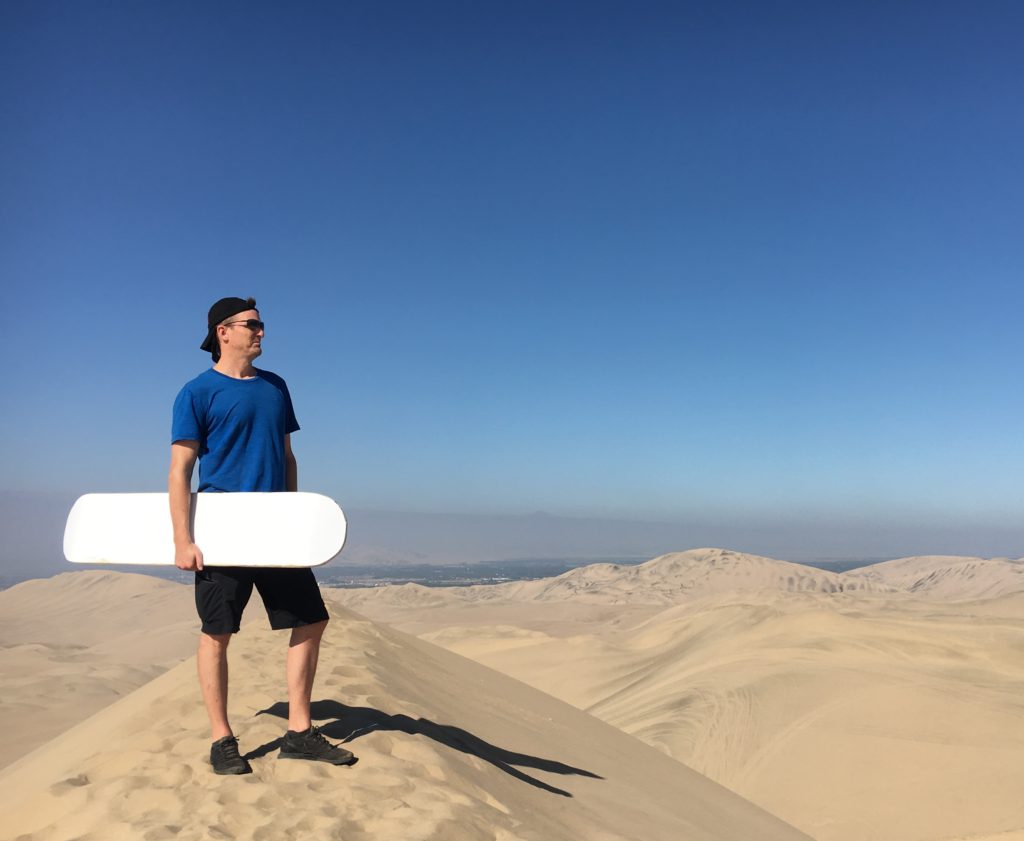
point(318, 737)
point(230, 749)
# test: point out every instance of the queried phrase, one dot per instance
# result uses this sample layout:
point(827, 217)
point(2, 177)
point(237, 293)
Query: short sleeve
point(290, 423)
point(186, 424)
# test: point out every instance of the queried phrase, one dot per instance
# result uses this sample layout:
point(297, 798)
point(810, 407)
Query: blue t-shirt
point(240, 426)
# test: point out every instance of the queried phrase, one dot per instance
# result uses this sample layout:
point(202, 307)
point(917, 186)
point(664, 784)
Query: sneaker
point(311, 744)
point(225, 759)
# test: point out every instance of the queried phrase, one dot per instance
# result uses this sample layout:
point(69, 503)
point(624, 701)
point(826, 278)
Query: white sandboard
point(231, 529)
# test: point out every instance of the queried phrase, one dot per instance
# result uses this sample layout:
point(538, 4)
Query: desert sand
point(72, 644)
point(703, 695)
point(883, 704)
point(448, 749)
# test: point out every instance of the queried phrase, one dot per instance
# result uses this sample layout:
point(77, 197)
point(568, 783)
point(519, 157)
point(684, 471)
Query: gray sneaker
point(311, 744)
point(225, 759)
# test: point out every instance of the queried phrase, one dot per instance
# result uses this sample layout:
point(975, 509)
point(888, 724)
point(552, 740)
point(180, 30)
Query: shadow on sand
point(346, 724)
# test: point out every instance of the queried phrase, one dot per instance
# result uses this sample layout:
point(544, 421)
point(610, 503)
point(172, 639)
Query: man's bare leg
point(300, 669)
point(212, 658)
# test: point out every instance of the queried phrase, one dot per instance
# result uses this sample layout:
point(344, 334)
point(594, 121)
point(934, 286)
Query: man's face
point(239, 338)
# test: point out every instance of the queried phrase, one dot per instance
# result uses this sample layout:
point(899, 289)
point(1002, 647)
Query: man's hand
point(188, 556)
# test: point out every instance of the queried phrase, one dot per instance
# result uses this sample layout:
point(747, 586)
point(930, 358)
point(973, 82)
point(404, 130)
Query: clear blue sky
point(740, 261)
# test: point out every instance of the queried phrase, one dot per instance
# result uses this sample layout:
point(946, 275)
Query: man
point(237, 421)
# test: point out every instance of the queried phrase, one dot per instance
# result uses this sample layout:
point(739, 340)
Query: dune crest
point(683, 576)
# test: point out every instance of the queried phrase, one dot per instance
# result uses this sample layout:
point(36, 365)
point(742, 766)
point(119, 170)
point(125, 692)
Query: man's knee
point(312, 631)
point(214, 642)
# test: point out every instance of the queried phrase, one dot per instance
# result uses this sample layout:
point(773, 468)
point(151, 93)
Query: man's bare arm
point(179, 492)
point(291, 466)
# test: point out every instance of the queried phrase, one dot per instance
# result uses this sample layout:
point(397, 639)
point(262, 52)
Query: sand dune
point(682, 576)
point(80, 641)
point(947, 577)
point(447, 749)
point(872, 714)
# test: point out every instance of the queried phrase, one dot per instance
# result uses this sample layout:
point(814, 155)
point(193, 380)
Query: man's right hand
point(188, 556)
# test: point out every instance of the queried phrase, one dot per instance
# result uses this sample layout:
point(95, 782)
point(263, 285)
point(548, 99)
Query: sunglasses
point(251, 323)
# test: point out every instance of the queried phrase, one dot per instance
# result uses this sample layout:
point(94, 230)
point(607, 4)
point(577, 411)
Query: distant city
point(457, 575)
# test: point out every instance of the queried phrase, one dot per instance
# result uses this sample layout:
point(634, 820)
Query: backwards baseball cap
point(221, 311)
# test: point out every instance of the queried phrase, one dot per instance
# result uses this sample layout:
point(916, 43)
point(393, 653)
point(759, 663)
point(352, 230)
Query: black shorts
point(291, 597)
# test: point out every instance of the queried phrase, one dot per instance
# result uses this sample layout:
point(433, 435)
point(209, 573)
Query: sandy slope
point(448, 749)
point(947, 577)
point(855, 714)
point(80, 641)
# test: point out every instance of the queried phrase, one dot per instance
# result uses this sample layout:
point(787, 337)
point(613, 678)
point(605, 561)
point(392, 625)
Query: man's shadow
point(347, 724)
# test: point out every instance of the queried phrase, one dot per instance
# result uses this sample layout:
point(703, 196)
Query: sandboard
point(231, 529)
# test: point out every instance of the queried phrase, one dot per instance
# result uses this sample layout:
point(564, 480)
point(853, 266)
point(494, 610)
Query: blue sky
point(707, 262)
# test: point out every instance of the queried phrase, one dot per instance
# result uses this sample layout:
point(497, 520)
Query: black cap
point(221, 311)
